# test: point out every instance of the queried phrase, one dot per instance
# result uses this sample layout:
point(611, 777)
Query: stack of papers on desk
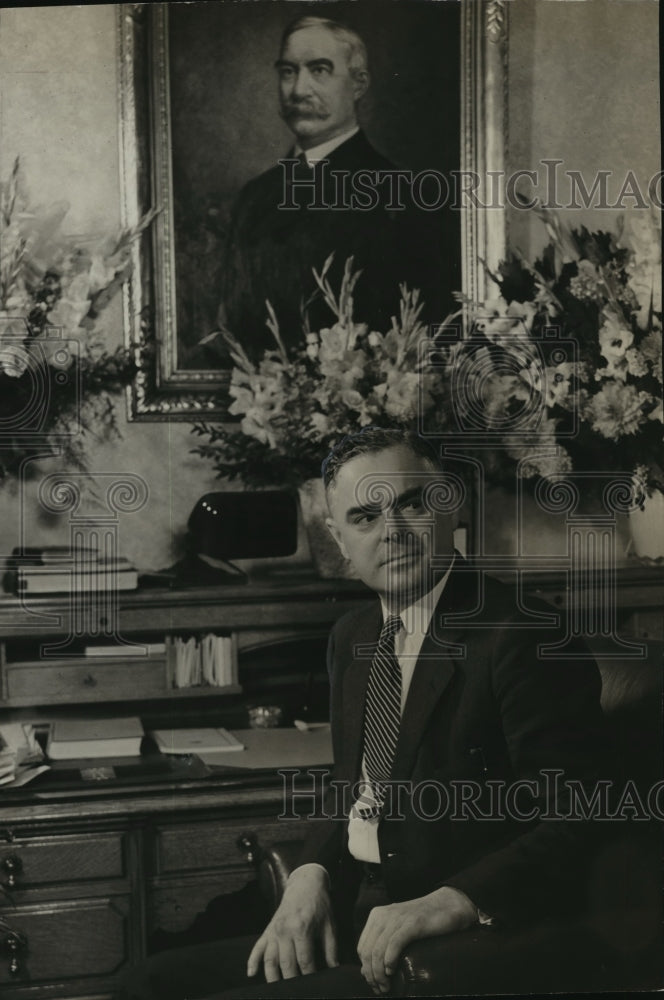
point(58, 569)
point(74, 739)
point(19, 753)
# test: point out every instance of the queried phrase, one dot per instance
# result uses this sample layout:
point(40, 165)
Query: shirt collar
point(320, 152)
point(417, 616)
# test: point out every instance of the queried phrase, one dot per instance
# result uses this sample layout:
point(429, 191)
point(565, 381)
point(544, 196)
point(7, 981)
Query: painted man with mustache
point(332, 195)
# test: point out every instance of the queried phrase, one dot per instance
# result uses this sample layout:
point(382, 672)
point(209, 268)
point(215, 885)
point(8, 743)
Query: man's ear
point(361, 81)
point(336, 535)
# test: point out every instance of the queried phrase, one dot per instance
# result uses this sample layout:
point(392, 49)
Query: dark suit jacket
point(271, 251)
point(492, 711)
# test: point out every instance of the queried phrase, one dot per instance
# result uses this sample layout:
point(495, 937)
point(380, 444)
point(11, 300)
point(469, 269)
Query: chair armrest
point(479, 960)
point(277, 862)
point(615, 943)
point(484, 960)
point(517, 961)
point(555, 956)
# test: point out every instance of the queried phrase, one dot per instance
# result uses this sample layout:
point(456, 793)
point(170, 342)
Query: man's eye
point(367, 517)
point(320, 70)
point(413, 505)
point(285, 73)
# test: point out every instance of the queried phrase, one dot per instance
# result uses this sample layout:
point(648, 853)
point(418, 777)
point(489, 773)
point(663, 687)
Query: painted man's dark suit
point(497, 712)
point(271, 250)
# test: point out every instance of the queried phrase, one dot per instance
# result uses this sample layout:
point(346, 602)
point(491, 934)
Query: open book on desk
point(179, 741)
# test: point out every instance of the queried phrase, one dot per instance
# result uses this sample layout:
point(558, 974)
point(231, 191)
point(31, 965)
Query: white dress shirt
point(317, 153)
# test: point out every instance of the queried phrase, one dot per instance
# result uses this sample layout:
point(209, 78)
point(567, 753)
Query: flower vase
point(646, 528)
point(325, 553)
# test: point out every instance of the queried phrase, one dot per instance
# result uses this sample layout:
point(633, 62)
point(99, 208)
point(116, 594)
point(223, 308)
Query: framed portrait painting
point(206, 118)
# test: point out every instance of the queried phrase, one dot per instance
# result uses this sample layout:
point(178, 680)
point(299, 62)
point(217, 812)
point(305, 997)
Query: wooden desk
point(259, 617)
point(97, 871)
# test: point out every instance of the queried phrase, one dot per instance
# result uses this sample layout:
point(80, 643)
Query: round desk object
point(265, 716)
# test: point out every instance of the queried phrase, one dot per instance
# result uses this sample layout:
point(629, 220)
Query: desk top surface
point(305, 586)
point(160, 784)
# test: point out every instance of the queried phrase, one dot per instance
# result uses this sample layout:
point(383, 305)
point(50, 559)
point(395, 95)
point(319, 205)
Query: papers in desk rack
point(191, 662)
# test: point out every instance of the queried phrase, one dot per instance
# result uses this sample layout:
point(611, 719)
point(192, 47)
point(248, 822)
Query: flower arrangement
point(293, 407)
point(563, 370)
point(53, 288)
point(569, 356)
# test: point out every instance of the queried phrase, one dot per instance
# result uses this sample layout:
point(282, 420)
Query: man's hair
point(371, 440)
point(357, 52)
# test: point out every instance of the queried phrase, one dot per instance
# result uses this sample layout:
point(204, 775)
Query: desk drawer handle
point(12, 867)
point(247, 842)
point(90, 681)
point(12, 946)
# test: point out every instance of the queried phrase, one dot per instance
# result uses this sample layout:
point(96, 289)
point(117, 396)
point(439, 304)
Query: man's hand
point(303, 919)
point(390, 928)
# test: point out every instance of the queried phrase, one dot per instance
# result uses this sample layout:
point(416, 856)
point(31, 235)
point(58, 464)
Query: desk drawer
point(191, 847)
point(61, 683)
point(74, 941)
point(26, 864)
point(175, 900)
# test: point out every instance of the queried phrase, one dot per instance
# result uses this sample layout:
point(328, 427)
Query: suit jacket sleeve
point(552, 720)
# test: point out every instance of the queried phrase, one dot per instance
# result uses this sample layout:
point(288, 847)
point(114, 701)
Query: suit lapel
point(355, 681)
point(435, 666)
point(433, 672)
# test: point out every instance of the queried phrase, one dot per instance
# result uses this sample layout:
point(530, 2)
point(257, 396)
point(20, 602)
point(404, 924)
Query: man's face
point(316, 89)
point(379, 518)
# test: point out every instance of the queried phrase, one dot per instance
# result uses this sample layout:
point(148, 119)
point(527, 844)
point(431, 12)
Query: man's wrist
point(483, 919)
point(311, 868)
point(468, 913)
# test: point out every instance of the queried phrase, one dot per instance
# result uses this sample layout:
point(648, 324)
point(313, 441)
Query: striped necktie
point(382, 714)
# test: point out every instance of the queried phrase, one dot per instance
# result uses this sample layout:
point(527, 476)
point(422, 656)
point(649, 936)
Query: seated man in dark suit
point(449, 722)
point(334, 194)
